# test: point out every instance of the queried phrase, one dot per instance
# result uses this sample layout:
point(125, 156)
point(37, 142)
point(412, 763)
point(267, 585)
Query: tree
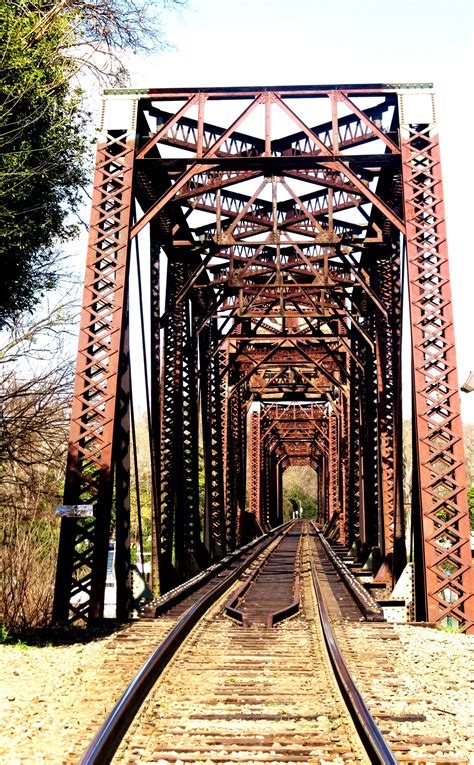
point(41, 150)
point(468, 435)
point(34, 414)
point(300, 488)
point(44, 46)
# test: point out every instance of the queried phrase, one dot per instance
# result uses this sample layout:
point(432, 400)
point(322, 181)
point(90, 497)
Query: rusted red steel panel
point(210, 143)
point(333, 464)
point(255, 464)
point(439, 447)
point(215, 533)
point(296, 91)
point(386, 282)
point(89, 476)
point(179, 485)
point(344, 472)
point(235, 468)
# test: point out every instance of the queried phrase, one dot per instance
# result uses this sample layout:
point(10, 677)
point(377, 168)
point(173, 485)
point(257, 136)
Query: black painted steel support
point(122, 489)
point(179, 512)
point(211, 406)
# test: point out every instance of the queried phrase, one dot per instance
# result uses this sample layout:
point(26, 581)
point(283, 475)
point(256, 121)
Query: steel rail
point(284, 613)
point(230, 606)
point(365, 602)
point(171, 598)
point(108, 738)
point(373, 740)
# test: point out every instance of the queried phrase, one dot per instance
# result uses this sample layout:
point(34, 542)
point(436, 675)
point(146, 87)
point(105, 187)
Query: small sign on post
point(74, 511)
point(468, 386)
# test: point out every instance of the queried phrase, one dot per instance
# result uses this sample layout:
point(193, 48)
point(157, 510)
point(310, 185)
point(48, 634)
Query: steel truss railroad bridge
point(281, 223)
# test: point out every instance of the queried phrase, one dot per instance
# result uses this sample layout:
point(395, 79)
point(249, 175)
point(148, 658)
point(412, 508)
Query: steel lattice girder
point(83, 547)
point(438, 447)
point(284, 208)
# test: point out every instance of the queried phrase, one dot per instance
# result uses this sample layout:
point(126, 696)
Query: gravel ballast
point(49, 695)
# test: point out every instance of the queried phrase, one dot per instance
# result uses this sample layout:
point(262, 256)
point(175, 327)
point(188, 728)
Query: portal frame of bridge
point(280, 338)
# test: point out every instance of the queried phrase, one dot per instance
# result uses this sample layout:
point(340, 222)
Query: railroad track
point(233, 693)
point(403, 708)
point(229, 687)
point(130, 648)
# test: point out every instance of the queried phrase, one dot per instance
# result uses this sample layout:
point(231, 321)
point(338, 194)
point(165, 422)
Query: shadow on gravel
point(56, 636)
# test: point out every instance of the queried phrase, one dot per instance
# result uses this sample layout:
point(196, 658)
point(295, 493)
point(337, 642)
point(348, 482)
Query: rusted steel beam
point(333, 465)
point(124, 599)
point(281, 330)
point(84, 544)
point(255, 466)
point(444, 564)
point(171, 525)
point(215, 536)
point(235, 468)
point(296, 91)
point(385, 272)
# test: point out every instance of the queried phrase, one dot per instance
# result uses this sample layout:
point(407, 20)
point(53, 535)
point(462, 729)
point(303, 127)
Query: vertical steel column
point(279, 495)
point(354, 500)
point(325, 487)
point(179, 512)
point(83, 546)
point(438, 448)
point(154, 423)
point(385, 274)
point(369, 519)
point(224, 417)
point(255, 505)
point(267, 486)
point(211, 407)
point(273, 498)
point(189, 447)
point(171, 479)
point(333, 465)
point(122, 488)
point(321, 507)
point(344, 470)
point(235, 495)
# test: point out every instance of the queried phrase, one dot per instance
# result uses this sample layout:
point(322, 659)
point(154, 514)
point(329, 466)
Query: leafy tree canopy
point(41, 149)
point(43, 46)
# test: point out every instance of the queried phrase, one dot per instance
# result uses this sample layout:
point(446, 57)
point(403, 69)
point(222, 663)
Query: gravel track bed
point(418, 682)
point(246, 695)
point(53, 698)
point(49, 696)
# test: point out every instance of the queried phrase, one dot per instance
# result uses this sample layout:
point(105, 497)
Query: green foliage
point(299, 487)
point(7, 639)
point(41, 150)
point(294, 497)
point(22, 645)
point(453, 628)
point(44, 44)
point(470, 499)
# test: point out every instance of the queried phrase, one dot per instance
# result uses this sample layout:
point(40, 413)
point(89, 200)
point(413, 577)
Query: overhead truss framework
point(276, 222)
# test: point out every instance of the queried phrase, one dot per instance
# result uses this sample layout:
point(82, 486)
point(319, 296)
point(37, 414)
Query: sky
point(299, 42)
